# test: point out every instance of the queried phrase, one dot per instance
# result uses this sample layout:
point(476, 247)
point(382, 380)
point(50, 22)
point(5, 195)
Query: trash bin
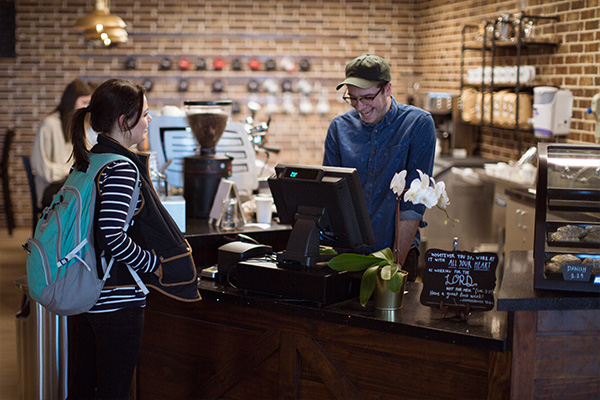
point(41, 349)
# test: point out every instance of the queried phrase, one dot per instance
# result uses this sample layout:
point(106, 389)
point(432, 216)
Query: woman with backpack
point(104, 342)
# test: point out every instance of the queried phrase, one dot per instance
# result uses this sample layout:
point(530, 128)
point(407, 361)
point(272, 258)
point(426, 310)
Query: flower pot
point(388, 315)
point(384, 298)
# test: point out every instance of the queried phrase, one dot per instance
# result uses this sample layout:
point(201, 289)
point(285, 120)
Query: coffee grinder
point(202, 173)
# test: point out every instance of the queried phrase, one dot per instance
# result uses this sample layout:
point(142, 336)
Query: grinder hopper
point(203, 172)
point(207, 120)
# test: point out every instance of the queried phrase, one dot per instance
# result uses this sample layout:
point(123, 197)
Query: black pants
point(103, 352)
point(411, 264)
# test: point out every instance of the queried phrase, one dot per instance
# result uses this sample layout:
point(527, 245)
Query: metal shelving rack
point(489, 48)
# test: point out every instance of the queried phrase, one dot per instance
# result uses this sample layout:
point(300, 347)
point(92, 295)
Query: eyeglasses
point(366, 100)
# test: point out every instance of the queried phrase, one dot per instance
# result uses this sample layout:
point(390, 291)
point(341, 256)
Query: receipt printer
point(232, 253)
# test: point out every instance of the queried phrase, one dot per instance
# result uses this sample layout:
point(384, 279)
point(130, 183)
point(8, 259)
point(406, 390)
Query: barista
point(380, 137)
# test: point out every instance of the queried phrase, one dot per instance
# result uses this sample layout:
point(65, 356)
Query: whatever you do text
point(459, 279)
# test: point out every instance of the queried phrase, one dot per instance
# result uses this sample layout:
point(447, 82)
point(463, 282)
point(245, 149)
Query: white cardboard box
point(175, 205)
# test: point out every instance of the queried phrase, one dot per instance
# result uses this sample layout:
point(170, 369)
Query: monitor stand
point(305, 239)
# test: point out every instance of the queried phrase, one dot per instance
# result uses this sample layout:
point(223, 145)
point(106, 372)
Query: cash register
point(326, 207)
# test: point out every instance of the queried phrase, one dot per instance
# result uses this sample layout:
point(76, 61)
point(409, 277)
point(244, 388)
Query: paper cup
point(263, 209)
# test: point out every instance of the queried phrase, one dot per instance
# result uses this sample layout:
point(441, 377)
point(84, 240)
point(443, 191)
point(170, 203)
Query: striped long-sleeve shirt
point(116, 187)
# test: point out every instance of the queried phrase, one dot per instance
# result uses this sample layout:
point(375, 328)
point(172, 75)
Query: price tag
point(459, 278)
point(577, 272)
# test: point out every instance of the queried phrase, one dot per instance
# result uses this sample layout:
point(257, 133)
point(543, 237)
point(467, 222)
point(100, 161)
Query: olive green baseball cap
point(366, 71)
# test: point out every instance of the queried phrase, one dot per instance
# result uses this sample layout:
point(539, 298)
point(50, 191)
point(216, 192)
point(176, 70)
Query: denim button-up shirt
point(404, 139)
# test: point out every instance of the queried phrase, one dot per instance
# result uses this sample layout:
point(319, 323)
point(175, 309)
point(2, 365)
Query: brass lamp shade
point(108, 36)
point(99, 17)
point(102, 25)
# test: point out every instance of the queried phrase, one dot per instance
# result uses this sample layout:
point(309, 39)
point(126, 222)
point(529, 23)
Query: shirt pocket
point(396, 156)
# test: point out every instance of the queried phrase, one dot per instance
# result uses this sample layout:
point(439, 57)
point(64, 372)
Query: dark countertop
point(486, 330)
point(517, 292)
point(199, 227)
point(206, 239)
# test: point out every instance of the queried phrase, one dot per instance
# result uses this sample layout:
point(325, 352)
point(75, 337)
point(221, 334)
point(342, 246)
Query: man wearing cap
point(380, 137)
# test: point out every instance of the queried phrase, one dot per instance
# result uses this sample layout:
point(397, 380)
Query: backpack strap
point(128, 220)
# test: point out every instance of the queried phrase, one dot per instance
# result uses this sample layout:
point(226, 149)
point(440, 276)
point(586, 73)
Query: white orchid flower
point(427, 197)
point(442, 196)
point(398, 183)
point(412, 192)
point(423, 190)
point(417, 191)
point(424, 177)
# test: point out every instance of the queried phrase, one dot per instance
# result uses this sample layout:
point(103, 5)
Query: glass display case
point(567, 218)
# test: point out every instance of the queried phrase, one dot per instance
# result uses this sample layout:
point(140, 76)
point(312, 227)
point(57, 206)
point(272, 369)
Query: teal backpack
point(61, 258)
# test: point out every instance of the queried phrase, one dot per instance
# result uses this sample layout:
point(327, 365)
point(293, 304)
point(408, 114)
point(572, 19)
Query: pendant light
point(102, 25)
point(107, 36)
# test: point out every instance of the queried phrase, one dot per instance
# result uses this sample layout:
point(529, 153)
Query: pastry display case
point(567, 218)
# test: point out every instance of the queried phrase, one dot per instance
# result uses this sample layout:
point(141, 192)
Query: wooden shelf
point(500, 127)
point(513, 45)
point(528, 86)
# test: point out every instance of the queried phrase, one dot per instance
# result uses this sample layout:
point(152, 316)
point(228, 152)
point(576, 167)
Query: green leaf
point(386, 254)
point(352, 262)
point(395, 284)
point(367, 284)
point(386, 272)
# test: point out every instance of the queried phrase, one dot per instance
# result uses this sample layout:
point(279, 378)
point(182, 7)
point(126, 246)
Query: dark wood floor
point(12, 265)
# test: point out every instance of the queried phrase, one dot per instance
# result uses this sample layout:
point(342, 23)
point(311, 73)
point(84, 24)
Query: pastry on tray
point(593, 229)
point(564, 259)
point(575, 233)
point(592, 237)
point(572, 230)
point(552, 268)
point(563, 237)
point(595, 263)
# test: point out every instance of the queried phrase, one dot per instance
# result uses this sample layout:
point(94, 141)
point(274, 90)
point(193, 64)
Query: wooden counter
point(238, 345)
point(536, 344)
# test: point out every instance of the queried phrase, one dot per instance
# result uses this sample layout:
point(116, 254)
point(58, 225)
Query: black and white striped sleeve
point(116, 188)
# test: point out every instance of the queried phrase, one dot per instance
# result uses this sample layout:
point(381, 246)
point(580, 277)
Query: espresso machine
point(202, 173)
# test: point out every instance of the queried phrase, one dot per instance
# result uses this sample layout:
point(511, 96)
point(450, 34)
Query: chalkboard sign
point(459, 278)
point(577, 272)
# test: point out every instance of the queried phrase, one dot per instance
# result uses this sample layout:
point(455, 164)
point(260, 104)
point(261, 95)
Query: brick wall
point(420, 39)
